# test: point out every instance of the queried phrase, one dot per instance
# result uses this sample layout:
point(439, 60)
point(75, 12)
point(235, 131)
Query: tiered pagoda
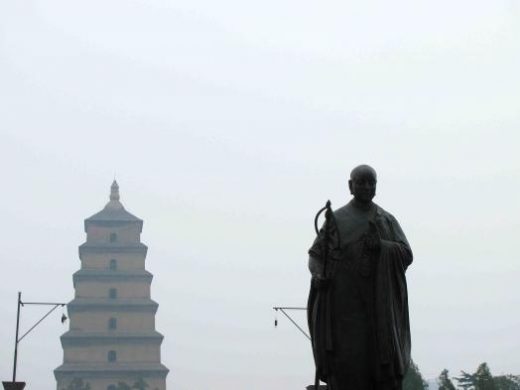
point(112, 339)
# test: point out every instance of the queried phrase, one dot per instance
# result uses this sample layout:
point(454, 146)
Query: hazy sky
point(228, 125)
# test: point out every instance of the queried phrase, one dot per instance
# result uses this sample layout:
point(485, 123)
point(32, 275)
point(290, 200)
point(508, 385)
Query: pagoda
point(112, 339)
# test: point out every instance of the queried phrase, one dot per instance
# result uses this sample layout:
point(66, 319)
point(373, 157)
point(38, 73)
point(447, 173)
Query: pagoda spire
point(114, 191)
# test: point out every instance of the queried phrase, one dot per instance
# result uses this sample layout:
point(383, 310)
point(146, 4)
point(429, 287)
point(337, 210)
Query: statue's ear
point(350, 185)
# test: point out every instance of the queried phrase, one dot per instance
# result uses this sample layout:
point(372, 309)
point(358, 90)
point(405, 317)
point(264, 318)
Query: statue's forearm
point(404, 251)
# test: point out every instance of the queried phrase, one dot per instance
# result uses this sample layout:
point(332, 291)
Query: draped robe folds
point(368, 302)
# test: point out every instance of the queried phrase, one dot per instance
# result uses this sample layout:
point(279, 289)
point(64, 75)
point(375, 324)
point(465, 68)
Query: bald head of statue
point(362, 184)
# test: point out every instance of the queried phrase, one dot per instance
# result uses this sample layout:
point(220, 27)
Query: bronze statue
point(358, 303)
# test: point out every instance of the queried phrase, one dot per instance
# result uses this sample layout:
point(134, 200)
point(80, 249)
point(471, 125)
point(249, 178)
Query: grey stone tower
point(112, 336)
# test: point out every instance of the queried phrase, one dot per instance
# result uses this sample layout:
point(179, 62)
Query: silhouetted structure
point(358, 303)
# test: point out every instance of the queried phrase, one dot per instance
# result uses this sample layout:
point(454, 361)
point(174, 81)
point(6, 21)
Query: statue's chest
point(351, 227)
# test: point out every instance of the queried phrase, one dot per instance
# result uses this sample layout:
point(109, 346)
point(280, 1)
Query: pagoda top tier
point(114, 210)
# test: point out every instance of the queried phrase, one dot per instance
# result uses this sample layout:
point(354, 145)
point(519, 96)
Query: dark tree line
point(413, 379)
point(481, 379)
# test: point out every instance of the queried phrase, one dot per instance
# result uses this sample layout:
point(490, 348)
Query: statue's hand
point(373, 244)
point(373, 239)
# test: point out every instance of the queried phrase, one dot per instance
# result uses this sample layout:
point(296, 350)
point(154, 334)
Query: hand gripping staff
point(319, 313)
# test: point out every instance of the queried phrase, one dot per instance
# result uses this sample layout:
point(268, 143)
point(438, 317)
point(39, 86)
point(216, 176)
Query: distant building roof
point(114, 210)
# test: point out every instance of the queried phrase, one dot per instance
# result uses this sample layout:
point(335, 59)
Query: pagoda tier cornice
point(110, 276)
point(80, 338)
point(108, 304)
point(109, 370)
point(113, 223)
point(112, 248)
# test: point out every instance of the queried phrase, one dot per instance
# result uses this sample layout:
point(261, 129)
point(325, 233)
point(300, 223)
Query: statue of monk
point(358, 303)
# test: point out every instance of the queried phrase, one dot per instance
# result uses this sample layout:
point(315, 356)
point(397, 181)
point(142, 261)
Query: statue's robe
point(368, 301)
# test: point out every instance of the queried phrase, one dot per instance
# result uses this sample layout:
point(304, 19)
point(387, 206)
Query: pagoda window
point(113, 237)
point(112, 323)
point(112, 293)
point(112, 356)
point(113, 265)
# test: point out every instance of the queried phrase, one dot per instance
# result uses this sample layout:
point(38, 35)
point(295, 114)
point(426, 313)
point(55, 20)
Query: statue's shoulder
point(342, 211)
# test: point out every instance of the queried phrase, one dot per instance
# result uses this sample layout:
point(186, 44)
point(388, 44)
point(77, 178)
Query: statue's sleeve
point(391, 297)
point(316, 257)
point(397, 242)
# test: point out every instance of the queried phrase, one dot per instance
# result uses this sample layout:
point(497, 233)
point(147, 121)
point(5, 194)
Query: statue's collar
point(368, 207)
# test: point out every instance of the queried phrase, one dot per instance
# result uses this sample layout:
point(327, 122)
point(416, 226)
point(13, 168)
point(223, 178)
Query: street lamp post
point(14, 385)
point(283, 310)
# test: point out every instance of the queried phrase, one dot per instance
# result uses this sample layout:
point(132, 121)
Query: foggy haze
point(227, 126)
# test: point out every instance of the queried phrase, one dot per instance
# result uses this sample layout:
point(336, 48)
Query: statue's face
point(363, 186)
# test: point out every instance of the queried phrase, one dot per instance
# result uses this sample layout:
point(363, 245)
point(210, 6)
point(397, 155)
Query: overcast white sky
point(228, 125)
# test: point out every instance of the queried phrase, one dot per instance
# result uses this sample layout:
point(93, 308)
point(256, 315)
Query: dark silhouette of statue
point(358, 302)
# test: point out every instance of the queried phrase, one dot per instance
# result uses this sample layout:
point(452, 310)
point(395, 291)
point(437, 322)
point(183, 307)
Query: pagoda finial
point(114, 191)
